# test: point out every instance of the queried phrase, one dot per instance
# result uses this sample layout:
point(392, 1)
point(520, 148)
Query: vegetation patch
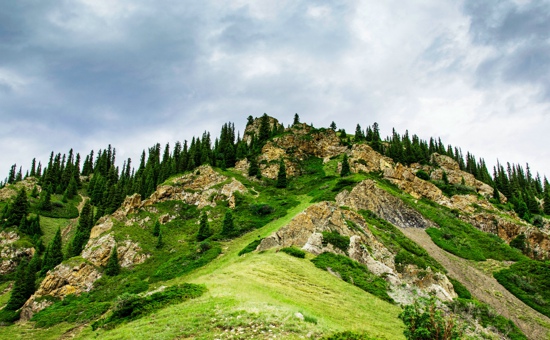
point(71, 309)
point(183, 264)
point(339, 241)
point(348, 335)
point(355, 273)
point(251, 246)
point(131, 306)
point(528, 280)
point(408, 252)
point(460, 290)
point(293, 251)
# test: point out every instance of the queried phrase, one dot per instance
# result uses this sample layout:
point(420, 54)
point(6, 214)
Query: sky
point(84, 74)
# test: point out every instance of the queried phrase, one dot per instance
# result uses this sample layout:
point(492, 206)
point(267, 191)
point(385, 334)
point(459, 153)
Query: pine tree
point(281, 175)
point(496, 194)
point(20, 290)
point(345, 167)
point(204, 229)
point(253, 168)
point(296, 119)
point(160, 242)
point(228, 228)
point(54, 254)
point(156, 228)
point(359, 136)
point(19, 208)
point(34, 192)
point(333, 126)
point(264, 128)
point(113, 267)
point(46, 201)
point(83, 230)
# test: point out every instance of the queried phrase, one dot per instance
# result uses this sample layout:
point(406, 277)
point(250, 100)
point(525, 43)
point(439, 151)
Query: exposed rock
point(98, 251)
point(11, 190)
point(65, 279)
point(407, 181)
point(367, 196)
point(363, 158)
point(254, 128)
point(130, 205)
point(103, 225)
point(305, 141)
point(9, 254)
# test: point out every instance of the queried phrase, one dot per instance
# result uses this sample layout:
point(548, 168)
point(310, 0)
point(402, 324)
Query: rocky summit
point(288, 233)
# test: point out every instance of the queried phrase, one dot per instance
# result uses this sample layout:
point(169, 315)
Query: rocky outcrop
point(253, 129)
point(11, 190)
point(407, 181)
point(98, 250)
point(306, 231)
point(10, 255)
point(304, 141)
point(363, 158)
point(74, 277)
point(367, 196)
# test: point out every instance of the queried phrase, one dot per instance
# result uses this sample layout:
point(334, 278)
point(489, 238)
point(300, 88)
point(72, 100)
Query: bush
point(299, 253)
point(355, 273)
point(347, 335)
point(337, 240)
point(423, 175)
point(460, 290)
point(424, 320)
point(251, 246)
point(183, 264)
point(131, 306)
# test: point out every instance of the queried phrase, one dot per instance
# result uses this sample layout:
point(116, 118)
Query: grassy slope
point(257, 291)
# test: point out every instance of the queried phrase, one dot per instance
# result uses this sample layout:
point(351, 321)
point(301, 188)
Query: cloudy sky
point(83, 74)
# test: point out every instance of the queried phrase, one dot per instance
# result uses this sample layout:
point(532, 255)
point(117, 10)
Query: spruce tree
point(547, 201)
point(264, 128)
point(281, 175)
point(496, 194)
point(83, 229)
point(204, 229)
point(156, 228)
point(18, 209)
point(46, 201)
point(333, 126)
point(253, 168)
point(54, 254)
point(228, 228)
point(296, 119)
point(19, 292)
point(345, 167)
point(113, 267)
point(160, 241)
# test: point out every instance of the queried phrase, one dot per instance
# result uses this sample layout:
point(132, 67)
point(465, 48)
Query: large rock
point(73, 277)
point(363, 158)
point(407, 181)
point(367, 196)
point(254, 128)
point(98, 251)
point(10, 255)
point(304, 141)
point(11, 190)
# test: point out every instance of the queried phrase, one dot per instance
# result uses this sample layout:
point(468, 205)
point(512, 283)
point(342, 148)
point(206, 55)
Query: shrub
point(423, 175)
point(251, 246)
point(299, 253)
point(460, 290)
point(348, 335)
point(337, 240)
point(355, 273)
point(423, 320)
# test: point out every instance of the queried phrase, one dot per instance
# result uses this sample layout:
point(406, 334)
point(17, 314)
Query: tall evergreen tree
point(253, 168)
point(204, 229)
point(113, 266)
point(281, 175)
point(263, 134)
point(296, 119)
point(228, 227)
point(496, 194)
point(20, 291)
point(53, 255)
point(156, 228)
point(18, 209)
point(83, 229)
point(345, 167)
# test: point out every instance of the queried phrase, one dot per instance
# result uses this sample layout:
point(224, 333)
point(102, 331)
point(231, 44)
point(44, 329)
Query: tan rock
point(98, 251)
point(407, 181)
point(103, 226)
point(11, 190)
point(11, 255)
point(254, 128)
point(367, 196)
point(66, 278)
point(363, 158)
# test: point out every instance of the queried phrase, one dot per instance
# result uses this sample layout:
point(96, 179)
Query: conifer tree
point(281, 175)
point(113, 267)
point(333, 126)
point(359, 136)
point(496, 194)
point(345, 167)
point(547, 199)
point(18, 209)
point(54, 254)
point(263, 134)
point(34, 192)
point(204, 229)
point(156, 228)
point(83, 229)
point(46, 201)
point(296, 119)
point(228, 228)
point(160, 242)
point(19, 293)
point(253, 168)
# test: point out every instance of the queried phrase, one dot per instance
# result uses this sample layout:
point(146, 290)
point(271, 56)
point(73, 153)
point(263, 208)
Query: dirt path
point(73, 222)
point(485, 288)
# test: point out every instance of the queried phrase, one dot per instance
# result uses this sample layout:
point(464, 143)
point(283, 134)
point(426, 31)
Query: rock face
point(254, 128)
point(305, 231)
point(98, 250)
point(363, 158)
point(407, 181)
point(74, 277)
point(10, 255)
point(367, 196)
point(305, 141)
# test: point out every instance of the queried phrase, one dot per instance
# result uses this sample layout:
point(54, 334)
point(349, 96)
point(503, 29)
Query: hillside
point(286, 233)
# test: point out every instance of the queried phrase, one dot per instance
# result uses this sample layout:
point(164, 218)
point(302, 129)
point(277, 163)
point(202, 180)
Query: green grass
point(6, 296)
point(263, 292)
point(528, 280)
point(49, 227)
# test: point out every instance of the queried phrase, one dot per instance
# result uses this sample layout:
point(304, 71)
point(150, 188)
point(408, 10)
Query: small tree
point(18, 209)
point(19, 292)
point(333, 126)
point(496, 194)
point(156, 228)
point(54, 254)
point(281, 176)
point(296, 119)
point(345, 167)
point(160, 242)
point(113, 267)
point(204, 229)
point(253, 168)
point(46, 201)
point(228, 228)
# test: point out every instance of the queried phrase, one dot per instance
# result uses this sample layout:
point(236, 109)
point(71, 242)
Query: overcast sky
point(88, 73)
